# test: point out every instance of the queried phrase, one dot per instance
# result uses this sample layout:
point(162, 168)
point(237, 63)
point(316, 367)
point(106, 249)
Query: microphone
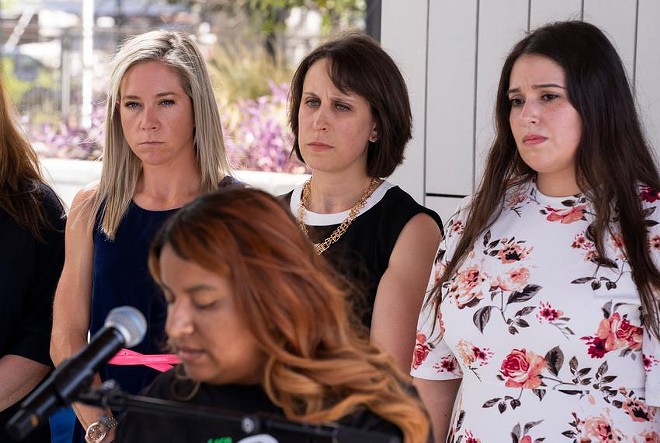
point(124, 326)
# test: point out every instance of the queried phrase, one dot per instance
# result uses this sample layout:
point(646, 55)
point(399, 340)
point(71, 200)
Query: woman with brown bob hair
point(260, 326)
point(350, 115)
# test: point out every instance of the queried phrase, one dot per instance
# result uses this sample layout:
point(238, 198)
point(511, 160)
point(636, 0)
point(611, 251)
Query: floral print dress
point(545, 334)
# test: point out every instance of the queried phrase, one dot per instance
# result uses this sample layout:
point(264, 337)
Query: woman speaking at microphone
point(260, 325)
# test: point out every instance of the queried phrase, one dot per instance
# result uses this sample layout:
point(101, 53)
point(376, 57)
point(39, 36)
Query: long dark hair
point(612, 160)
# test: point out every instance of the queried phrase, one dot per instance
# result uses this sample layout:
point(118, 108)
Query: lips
point(151, 143)
point(187, 354)
point(534, 139)
point(318, 146)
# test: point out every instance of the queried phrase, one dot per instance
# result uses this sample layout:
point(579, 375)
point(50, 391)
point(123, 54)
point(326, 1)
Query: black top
point(29, 272)
point(363, 253)
point(233, 401)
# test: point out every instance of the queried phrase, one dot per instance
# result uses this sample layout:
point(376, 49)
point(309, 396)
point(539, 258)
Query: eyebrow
point(194, 289)
point(160, 94)
point(345, 97)
point(540, 86)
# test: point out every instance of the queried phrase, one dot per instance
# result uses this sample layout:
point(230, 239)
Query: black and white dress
point(363, 253)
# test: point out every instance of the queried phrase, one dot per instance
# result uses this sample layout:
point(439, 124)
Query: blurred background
point(56, 53)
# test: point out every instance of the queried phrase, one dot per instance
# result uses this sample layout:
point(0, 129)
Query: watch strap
point(109, 422)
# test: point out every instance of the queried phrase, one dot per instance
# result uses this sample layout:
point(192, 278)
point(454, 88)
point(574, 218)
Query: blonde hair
point(318, 367)
point(121, 167)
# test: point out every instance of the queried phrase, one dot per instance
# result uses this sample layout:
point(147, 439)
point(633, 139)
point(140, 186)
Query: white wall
point(67, 177)
point(451, 53)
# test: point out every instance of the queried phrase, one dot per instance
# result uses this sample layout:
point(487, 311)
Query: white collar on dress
point(316, 219)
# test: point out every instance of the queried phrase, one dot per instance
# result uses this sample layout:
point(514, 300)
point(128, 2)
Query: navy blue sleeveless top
point(121, 277)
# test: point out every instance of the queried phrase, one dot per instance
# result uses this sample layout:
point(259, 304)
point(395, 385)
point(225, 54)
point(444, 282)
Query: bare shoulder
point(421, 228)
point(81, 206)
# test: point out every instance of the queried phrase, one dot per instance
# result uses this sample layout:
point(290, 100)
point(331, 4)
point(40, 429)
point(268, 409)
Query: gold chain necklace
point(337, 233)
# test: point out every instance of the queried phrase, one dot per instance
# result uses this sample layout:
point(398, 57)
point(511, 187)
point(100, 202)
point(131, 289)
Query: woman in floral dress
point(546, 273)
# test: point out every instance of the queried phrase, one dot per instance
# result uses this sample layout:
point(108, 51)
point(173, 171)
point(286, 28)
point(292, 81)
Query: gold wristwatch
point(99, 429)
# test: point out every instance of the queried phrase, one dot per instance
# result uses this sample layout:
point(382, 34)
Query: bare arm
point(19, 376)
point(402, 288)
point(438, 396)
point(72, 305)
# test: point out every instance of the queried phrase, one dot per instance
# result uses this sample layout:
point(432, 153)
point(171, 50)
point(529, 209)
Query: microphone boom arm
point(110, 396)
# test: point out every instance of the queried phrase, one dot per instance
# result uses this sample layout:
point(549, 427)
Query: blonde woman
point(260, 326)
point(163, 148)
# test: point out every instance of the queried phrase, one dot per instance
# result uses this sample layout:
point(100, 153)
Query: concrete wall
point(68, 176)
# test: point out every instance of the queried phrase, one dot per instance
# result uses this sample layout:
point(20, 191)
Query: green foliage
point(243, 73)
point(266, 17)
point(15, 86)
point(23, 91)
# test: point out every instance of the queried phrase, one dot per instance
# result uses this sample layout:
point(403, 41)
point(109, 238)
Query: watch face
point(96, 433)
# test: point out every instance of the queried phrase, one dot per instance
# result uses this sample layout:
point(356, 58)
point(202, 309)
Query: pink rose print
point(619, 333)
point(614, 333)
point(516, 199)
point(438, 271)
point(514, 280)
point(520, 433)
point(636, 409)
point(447, 364)
point(548, 313)
point(649, 362)
point(472, 356)
point(618, 246)
point(600, 429)
point(466, 287)
point(566, 216)
point(469, 438)
point(554, 317)
point(421, 351)
point(581, 242)
point(470, 353)
point(648, 194)
point(654, 243)
point(591, 256)
point(651, 437)
point(457, 227)
point(596, 346)
point(512, 252)
point(522, 368)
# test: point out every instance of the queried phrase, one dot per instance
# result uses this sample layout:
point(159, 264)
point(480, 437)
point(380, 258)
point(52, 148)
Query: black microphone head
point(129, 322)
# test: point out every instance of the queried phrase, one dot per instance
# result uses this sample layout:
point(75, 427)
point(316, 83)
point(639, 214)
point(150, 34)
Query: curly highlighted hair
point(319, 367)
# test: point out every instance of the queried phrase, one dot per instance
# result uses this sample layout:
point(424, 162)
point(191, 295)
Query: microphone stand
point(110, 396)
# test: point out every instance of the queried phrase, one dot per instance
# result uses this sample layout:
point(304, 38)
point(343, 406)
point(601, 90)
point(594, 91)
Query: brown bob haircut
point(358, 64)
